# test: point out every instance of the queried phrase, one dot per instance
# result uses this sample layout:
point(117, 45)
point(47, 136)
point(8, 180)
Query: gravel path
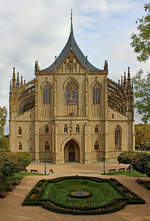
point(12, 210)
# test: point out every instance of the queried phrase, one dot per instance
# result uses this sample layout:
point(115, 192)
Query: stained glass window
point(118, 137)
point(46, 94)
point(96, 95)
point(71, 93)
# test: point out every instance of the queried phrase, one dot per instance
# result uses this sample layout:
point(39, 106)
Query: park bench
point(121, 169)
point(17, 182)
point(25, 170)
point(34, 171)
point(112, 170)
point(11, 187)
point(3, 193)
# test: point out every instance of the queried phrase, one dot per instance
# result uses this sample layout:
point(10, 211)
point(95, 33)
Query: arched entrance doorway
point(71, 152)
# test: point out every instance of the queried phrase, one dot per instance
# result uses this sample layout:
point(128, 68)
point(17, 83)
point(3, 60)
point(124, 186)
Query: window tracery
point(118, 138)
point(96, 94)
point(77, 128)
point(47, 145)
point(46, 129)
point(65, 128)
point(46, 94)
point(19, 131)
point(20, 146)
point(96, 129)
point(96, 146)
point(71, 93)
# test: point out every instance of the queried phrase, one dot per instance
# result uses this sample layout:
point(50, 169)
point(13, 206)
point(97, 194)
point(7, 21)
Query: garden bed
point(105, 195)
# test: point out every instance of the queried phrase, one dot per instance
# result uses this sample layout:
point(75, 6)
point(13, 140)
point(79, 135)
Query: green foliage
point(141, 41)
point(139, 161)
point(3, 116)
point(11, 163)
point(141, 91)
point(4, 143)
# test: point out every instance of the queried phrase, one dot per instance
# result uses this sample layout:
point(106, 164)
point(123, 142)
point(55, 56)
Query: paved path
point(12, 210)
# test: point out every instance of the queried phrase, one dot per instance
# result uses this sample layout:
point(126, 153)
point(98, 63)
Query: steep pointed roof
point(71, 45)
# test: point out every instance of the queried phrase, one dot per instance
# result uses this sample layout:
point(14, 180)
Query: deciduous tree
point(141, 40)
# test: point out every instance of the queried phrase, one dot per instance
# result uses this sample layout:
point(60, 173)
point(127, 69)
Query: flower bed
point(101, 196)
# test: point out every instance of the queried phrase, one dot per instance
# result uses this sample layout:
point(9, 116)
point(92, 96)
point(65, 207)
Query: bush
point(139, 161)
point(11, 163)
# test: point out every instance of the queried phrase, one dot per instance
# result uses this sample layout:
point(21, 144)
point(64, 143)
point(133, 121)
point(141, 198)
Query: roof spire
point(71, 29)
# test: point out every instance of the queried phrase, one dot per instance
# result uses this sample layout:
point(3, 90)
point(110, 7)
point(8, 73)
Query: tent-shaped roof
point(71, 45)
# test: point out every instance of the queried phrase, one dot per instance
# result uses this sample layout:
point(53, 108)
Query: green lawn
point(132, 173)
point(102, 192)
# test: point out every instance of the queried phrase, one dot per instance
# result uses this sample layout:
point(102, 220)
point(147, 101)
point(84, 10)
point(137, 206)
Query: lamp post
point(104, 168)
point(45, 162)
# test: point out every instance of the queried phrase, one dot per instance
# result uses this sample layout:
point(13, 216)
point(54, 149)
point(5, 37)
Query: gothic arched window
point(77, 128)
point(47, 145)
point(65, 128)
point(46, 94)
point(71, 93)
point(118, 138)
point(19, 131)
point(46, 129)
point(96, 94)
point(96, 146)
point(20, 146)
point(96, 129)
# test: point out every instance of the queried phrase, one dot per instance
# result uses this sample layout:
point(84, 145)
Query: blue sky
point(38, 30)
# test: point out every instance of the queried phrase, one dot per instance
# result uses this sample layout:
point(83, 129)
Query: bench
point(121, 169)
point(34, 171)
point(25, 170)
point(11, 187)
point(17, 182)
point(3, 193)
point(112, 170)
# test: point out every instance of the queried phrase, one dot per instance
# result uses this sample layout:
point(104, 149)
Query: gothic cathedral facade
point(71, 111)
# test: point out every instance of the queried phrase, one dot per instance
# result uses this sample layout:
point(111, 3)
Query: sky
point(38, 30)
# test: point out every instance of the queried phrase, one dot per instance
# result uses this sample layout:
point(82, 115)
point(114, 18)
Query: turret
point(124, 78)
point(21, 81)
point(36, 66)
point(14, 78)
point(17, 79)
point(106, 66)
point(121, 80)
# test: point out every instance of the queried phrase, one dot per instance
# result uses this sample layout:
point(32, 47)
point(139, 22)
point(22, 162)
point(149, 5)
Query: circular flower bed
point(81, 195)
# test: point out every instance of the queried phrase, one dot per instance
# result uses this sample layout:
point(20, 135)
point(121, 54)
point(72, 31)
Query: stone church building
point(71, 111)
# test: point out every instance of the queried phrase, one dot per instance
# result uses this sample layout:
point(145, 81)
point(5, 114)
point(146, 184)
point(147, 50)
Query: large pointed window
point(118, 138)
point(96, 94)
point(71, 93)
point(46, 94)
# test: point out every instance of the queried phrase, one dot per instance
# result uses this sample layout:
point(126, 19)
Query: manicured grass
point(132, 173)
point(106, 195)
point(102, 193)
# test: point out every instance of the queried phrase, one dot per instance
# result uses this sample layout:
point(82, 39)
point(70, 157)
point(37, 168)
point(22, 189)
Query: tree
point(3, 116)
point(141, 41)
point(142, 136)
point(142, 94)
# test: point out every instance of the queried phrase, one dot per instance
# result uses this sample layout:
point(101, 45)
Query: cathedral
point(71, 111)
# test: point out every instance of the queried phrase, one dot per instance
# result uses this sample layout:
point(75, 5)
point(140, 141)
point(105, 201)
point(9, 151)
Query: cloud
point(38, 30)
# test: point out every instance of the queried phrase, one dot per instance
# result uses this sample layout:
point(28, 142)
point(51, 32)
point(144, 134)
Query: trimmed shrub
point(139, 161)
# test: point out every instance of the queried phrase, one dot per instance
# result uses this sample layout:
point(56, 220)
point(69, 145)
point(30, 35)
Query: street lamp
point(104, 168)
point(45, 162)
